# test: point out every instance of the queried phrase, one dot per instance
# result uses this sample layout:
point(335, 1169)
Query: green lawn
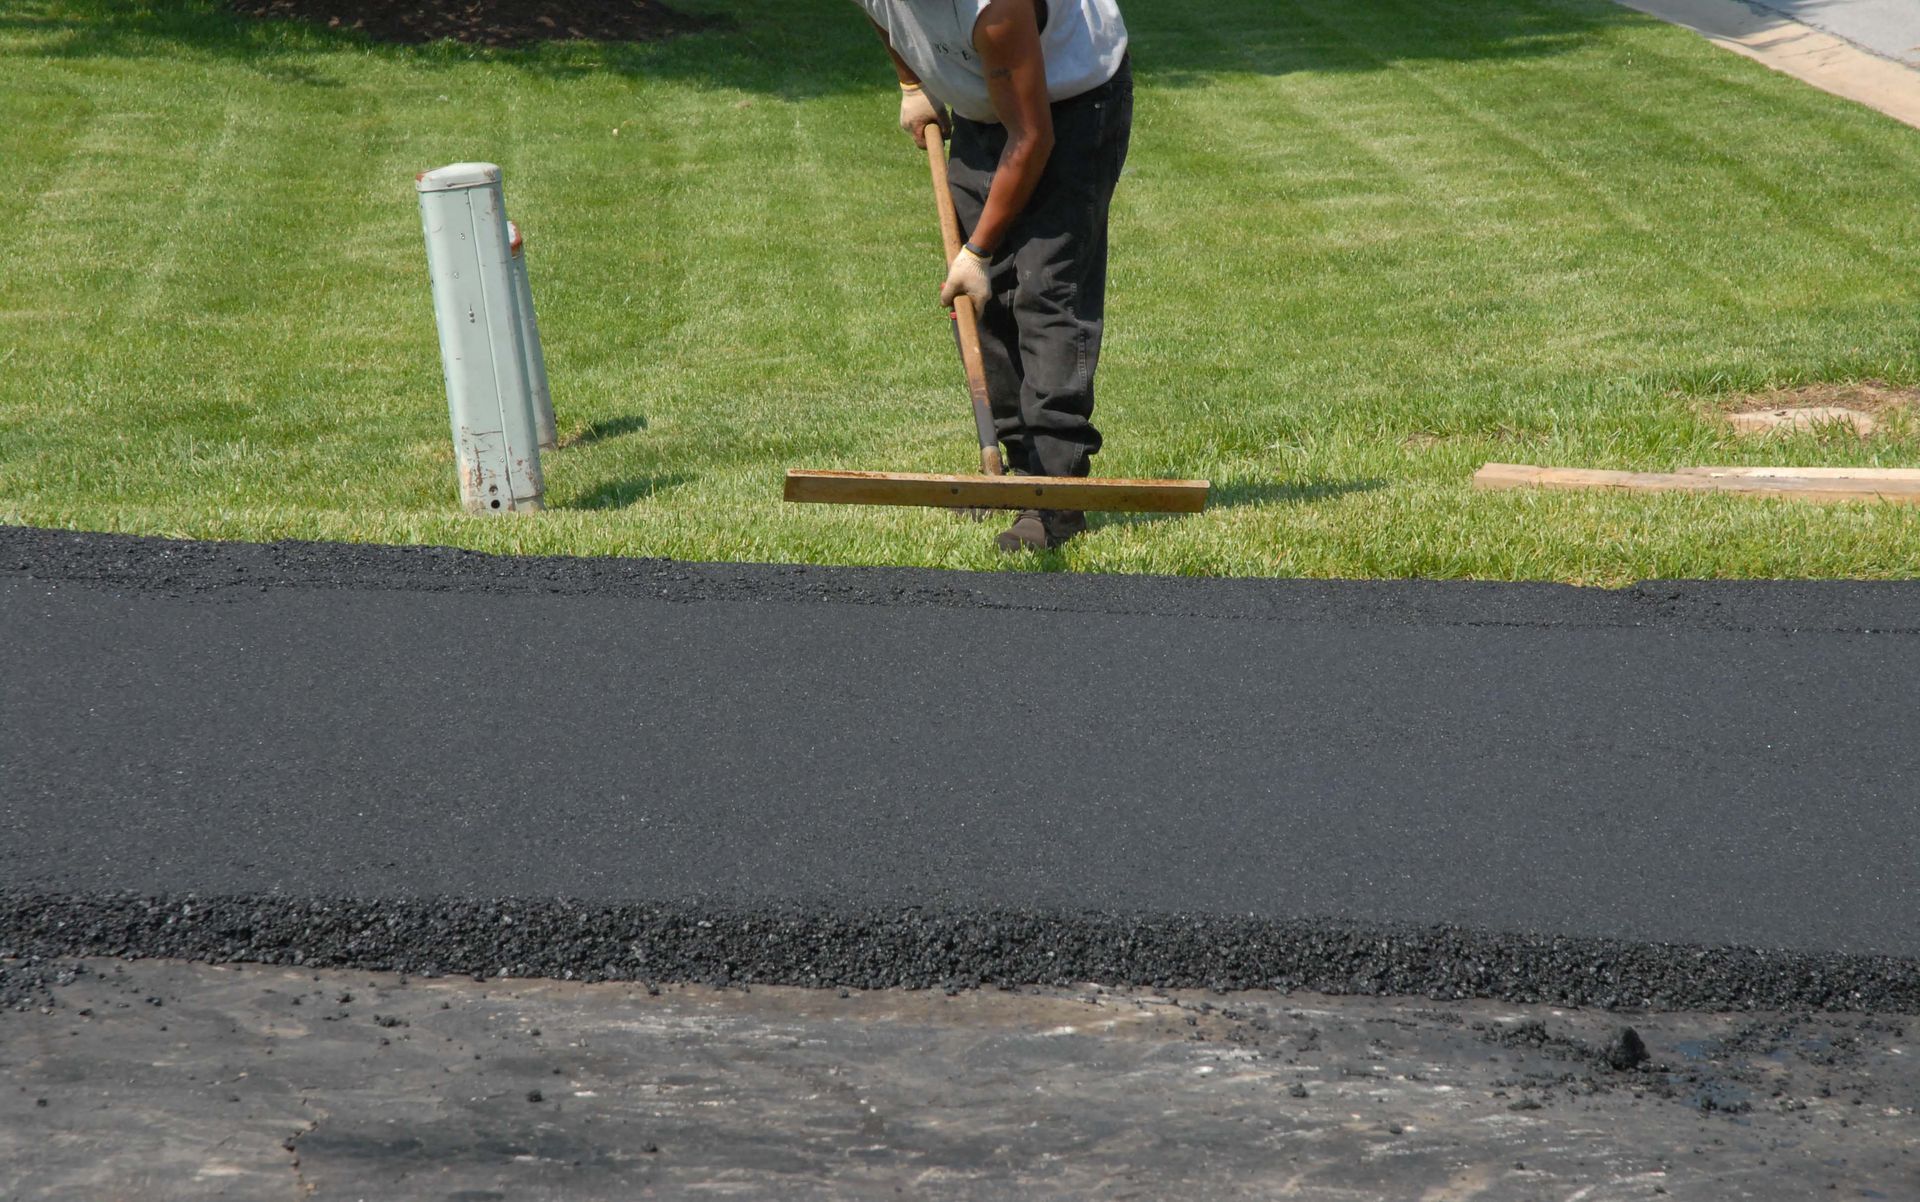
point(1360, 249)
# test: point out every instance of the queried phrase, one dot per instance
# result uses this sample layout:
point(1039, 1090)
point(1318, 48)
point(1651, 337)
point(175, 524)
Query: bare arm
point(1007, 37)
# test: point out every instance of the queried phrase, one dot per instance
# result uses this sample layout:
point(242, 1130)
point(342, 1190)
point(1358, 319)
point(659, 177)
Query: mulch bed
point(485, 22)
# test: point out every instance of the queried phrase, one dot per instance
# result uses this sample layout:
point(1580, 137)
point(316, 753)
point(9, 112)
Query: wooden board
point(1808, 484)
point(997, 492)
point(1882, 474)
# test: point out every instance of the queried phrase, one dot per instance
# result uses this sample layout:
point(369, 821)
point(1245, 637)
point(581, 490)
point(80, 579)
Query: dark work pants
point(1040, 330)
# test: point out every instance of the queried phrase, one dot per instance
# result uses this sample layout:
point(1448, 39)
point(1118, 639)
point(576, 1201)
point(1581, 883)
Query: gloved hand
point(917, 111)
point(966, 277)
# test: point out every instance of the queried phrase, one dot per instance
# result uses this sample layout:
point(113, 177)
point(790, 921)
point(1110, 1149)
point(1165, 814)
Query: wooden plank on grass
point(997, 492)
point(1820, 487)
point(1883, 474)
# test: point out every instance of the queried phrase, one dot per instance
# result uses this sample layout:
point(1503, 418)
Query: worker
point(1040, 95)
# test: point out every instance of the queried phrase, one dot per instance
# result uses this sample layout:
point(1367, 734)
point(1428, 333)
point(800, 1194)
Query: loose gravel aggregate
point(914, 949)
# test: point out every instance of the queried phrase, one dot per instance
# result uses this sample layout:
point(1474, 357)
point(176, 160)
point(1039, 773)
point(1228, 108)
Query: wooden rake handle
point(968, 321)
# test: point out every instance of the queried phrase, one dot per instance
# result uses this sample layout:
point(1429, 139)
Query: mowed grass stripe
point(1509, 122)
point(49, 117)
point(1358, 261)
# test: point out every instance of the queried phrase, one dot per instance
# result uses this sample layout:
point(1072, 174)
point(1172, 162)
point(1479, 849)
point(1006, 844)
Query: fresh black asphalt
point(1682, 793)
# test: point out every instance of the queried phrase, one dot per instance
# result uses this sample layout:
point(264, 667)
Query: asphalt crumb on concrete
point(29, 984)
point(207, 1081)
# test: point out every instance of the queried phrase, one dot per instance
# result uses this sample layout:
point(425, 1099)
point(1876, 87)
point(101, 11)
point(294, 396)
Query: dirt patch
point(1864, 396)
point(1802, 418)
point(485, 22)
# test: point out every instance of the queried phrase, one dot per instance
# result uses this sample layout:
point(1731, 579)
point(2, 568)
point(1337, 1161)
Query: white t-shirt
point(1083, 43)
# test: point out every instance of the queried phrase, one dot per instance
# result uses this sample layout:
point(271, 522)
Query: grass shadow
point(298, 73)
point(619, 494)
point(601, 431)
point(1267, 492)
point(1235, 494)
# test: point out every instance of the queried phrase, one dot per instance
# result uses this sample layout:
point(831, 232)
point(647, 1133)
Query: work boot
point(1038, 530)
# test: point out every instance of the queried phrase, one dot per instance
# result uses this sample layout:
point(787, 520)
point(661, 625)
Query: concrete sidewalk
point(1864, 50)
point(1889, 28)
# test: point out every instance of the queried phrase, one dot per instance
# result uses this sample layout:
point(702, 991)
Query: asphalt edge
point(912, 948)
point(147, 566)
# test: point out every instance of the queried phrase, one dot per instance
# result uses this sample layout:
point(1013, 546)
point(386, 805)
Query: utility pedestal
point(482, 339)
point(544, 427)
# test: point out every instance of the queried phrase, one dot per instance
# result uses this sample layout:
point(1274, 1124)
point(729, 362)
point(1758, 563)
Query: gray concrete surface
point(158, 1080)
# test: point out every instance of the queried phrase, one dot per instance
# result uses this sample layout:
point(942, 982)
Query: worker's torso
point(1083, 42)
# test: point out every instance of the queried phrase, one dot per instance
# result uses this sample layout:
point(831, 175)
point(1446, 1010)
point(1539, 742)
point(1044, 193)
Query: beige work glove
point(966, 277)
point(917, 111)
